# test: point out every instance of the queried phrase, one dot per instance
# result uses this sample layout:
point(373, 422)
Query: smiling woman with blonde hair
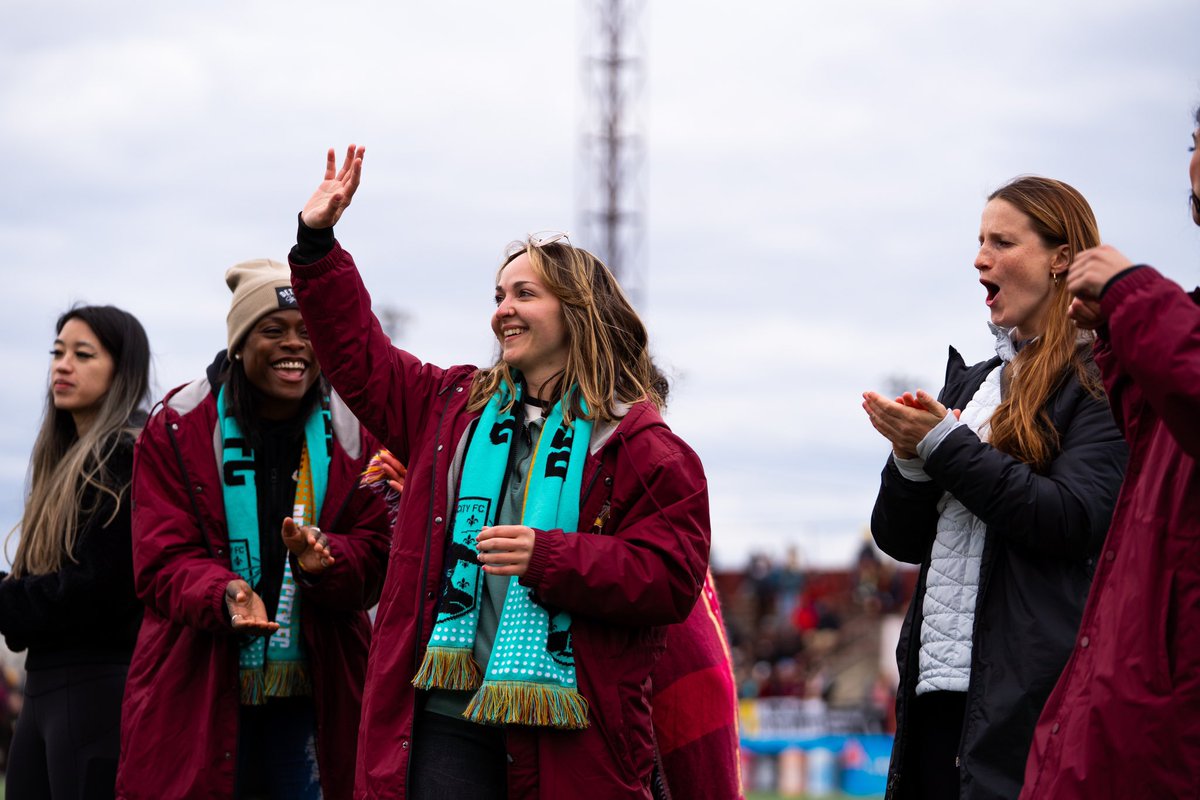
point(1003, 503)
point(552, 527)
point(607, 353)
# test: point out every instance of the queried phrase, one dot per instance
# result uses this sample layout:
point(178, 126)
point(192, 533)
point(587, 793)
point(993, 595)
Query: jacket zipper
point(423, 577)
point(429, 531)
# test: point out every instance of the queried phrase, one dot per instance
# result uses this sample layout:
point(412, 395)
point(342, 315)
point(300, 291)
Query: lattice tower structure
point(612, 217)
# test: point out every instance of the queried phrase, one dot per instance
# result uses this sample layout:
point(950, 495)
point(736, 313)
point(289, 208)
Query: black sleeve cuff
point(312, 244)
point(1111, 280)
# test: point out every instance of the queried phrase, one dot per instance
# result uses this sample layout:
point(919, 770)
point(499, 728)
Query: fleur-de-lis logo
point(472, 520)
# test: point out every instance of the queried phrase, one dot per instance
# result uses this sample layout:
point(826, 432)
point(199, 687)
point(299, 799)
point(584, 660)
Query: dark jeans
point(934, 735)
point(68, 736)
point(277, 751)
point(454, 759)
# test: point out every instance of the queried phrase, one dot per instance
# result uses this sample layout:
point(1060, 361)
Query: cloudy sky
point(813, 181)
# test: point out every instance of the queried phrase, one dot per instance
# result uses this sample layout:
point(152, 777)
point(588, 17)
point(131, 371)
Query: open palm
point(333, 195)
point(247, 613)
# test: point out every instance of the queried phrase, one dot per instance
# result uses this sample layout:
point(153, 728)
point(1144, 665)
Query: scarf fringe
point(288, 679)
point(448, 668)
point(279, 679)
point(520, 703)
point(254, 687)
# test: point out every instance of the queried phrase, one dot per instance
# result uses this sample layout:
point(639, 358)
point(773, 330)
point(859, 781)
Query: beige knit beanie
point(258, 287)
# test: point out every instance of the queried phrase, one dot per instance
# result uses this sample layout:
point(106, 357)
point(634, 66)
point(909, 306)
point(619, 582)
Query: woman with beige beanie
point(257, 554)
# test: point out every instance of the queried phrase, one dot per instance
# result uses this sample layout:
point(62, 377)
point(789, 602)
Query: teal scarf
point(274, 667)
point(530, 677)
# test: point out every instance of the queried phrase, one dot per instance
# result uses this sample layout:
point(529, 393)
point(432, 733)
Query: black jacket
point(86, 612)
point(1044, 532)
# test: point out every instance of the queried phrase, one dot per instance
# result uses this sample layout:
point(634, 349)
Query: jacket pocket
point(603, 694)
point(613, 665)
point(1179, 619)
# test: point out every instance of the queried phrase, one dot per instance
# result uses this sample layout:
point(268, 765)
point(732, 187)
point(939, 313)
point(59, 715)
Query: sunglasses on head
point(543, 238)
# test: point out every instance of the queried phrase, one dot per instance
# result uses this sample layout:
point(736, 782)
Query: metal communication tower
point(612, 145)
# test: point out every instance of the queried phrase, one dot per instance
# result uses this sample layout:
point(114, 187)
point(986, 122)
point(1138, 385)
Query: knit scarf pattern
point(278, 666)
point(530, 675)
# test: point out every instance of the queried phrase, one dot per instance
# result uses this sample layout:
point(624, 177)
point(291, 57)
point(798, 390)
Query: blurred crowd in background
point(817, 634)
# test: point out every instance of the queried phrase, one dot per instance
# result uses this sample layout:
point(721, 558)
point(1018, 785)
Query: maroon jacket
point(696, 707)
point(1124, 719)
point(179, 723)
point(646, 493)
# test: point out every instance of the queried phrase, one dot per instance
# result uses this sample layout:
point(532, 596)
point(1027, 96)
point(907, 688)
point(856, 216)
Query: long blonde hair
point(1021, 425)
point(608, 359)
point(64, 465)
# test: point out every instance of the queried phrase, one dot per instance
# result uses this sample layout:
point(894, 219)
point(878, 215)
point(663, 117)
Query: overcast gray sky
point(815, 174)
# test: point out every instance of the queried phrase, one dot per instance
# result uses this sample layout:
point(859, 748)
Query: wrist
point(1116, 277)
point(312, 244)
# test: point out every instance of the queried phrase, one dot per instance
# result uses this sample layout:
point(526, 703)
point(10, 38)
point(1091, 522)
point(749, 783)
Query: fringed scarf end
point(254, 687)
point(518, 703)
point(287, 679)
point(448, 668)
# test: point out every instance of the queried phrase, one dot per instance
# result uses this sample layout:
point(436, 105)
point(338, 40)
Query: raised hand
point(308, 544)
point(247, 613)
point(1092, 269)
point(505, 549)
point(333, 195)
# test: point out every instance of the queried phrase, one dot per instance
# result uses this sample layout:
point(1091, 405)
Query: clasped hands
point(247, 612)
point(906, 420)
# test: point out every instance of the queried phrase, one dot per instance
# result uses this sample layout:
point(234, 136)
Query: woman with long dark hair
point(69, 599)
point(552, 526)
point(257, 554)
point(1004, 503)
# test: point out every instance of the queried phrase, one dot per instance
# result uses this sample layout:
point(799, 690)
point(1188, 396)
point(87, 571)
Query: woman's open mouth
point(290, 369)
point(992, 291)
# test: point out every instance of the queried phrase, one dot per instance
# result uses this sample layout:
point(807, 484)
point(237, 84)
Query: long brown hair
point(65, 465)
point(608, 359)
point(1021, 425)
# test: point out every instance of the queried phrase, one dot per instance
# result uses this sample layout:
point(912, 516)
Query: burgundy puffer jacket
point(644, 498)
point(179, 726)
point(1124, 719)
